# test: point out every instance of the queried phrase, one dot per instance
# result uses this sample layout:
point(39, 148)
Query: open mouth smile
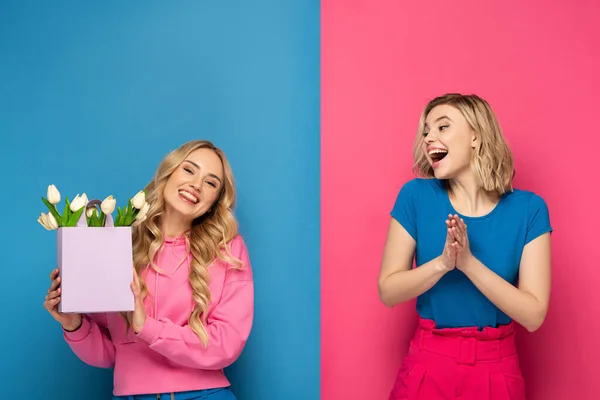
point(437, 155)
point(188, 197)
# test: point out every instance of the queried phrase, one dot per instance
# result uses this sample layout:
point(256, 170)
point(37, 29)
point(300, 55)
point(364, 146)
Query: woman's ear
point(474, 139)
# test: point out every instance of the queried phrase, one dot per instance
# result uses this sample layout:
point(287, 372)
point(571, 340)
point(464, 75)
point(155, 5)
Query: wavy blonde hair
point(207, 240)
point(492, 160)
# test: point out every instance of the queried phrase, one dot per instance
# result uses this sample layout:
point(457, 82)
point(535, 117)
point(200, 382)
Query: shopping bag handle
point(82, 222)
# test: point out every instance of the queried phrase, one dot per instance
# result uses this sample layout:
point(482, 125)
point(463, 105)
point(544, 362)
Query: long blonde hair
point(492, 160)
point(207, 240)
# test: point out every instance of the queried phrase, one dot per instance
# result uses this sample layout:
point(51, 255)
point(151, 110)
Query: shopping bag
point(96, 267)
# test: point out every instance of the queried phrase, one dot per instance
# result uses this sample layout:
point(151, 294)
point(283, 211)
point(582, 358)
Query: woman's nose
point(196, 185)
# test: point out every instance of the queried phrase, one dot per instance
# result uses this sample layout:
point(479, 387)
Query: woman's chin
point(184, 212)
point(440, 174)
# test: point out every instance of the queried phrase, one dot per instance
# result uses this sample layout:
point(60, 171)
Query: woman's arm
point(398, 282)
point(91, 342)
point(228, 329)
point(528, 303)
point(228, 325)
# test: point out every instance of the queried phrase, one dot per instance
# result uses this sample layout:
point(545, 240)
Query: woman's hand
point(461, 244)
point(69, 322)
point(138, 316)
point(448, 257)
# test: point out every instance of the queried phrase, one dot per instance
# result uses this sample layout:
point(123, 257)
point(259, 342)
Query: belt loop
point(421, 339)
point(498, 349)
point(467, 350)
point(172, 396)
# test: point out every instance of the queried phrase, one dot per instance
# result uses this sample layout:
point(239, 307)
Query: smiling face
point(194, 186)
point(449, 142)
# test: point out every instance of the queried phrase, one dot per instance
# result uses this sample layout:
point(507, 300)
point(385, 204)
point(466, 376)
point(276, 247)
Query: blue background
point(93, 96)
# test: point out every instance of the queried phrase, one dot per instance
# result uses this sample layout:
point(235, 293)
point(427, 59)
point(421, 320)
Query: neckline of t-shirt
point(470, 217)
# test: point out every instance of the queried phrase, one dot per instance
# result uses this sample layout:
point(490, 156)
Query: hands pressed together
point(457, 251)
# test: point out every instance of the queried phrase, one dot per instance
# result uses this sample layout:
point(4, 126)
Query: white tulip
point(48, 221)
point(52, 223)
point(53, 195)
point(138, 200)
point(85, 199)
point(43, 221)
point(143, 212)
point(90, 211)
point(139, 221)
point(108, 205)
point(44, 217)
point(78, 202)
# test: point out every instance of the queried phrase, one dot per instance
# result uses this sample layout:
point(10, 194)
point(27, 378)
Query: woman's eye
point(443, 127)
point(425, 134)
point(212, 184)
point(188, 170)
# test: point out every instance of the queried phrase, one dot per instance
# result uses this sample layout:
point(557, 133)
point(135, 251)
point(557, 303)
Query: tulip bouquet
point(132, 214)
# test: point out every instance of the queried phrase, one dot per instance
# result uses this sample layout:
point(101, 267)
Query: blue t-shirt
point(496, 239)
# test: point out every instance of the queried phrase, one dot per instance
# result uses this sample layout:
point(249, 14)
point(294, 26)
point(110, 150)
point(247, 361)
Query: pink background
point(538, 66)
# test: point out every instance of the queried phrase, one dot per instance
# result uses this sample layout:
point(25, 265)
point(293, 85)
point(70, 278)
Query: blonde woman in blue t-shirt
point(482, 251)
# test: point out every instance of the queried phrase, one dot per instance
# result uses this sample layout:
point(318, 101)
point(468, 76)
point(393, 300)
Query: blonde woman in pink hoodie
point(193, 289)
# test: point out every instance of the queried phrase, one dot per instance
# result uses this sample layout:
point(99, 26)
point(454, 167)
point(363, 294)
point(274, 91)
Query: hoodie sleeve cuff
point(81, 333)
point(150, 330)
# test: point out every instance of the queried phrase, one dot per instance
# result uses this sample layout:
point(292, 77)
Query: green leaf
point(75, 217)
point(119, 216)
point(67, 210)
point(53, 210)
point(131, 214)
point(92, 221)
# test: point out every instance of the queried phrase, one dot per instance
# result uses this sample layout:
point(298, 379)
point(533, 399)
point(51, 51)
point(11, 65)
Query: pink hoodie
point(167, 356)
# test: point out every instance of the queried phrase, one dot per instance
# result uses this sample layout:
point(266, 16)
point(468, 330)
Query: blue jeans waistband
point(208, 394)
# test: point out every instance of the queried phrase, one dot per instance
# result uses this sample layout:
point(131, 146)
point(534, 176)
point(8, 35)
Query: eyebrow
point(439, 119)
point(197, 166)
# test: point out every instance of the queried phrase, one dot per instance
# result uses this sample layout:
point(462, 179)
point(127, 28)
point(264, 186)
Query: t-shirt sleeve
point(538, 218)
point(405, 207)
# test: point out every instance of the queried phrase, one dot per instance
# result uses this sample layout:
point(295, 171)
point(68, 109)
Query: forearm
point(181, 345)
point(91, 344)
point(521, 306)
point(403, 286)
point(228, 329)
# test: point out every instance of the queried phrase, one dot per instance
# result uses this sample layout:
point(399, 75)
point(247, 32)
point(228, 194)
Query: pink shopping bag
point(96, 267)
